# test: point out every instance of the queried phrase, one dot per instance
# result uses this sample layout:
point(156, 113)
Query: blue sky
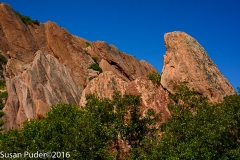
point(137, 26)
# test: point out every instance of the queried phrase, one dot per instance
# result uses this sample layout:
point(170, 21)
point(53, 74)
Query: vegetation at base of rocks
point(96, 67)
point(3, 98)
point(27, 20)
point(154, 77)
point(198, 129)
point(3, 92)
point(87, 44)
point(90, 132)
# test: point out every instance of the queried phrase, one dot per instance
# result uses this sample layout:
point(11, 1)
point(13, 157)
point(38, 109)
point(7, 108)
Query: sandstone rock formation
point(152, 96)
point(60, 72)
point(35, 82)
point(185, 59)
point(104, 86)
point(21, 42)
point(45, 82)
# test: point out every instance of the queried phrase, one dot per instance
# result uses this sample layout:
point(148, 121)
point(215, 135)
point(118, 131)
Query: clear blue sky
point(137, 26)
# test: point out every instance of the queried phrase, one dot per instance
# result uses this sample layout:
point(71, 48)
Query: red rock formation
point(60, 73)
point(126, 64)
point(104, 86)
point(45, 82)
point(16, 39)
point(21, 42)
point(185, 59)
point(152, 96)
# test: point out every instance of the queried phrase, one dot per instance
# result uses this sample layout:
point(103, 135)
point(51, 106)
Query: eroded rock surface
point(45, 82)
point(153, 96)
point(186, 59)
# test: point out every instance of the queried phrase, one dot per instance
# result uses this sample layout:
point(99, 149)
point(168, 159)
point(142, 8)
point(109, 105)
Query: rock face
point(152, 96)
point(185, 59)
point(121, 62)
point(47, 65)
point(21, 42)
point(104, 86)
point(45, 82)
point(60, 73)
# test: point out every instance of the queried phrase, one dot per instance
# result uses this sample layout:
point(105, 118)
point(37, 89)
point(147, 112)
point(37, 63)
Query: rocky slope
point(47, 65)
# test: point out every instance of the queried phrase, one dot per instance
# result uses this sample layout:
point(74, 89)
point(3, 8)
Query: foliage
point(123, 119)
point(66, 128)
point(27, 20)
point(198, 129)
point(90, 132)
point(3, 59)
point(154, 77)
point(95, 59)
point(95, 67)
point(87, 44)
point(3, 97)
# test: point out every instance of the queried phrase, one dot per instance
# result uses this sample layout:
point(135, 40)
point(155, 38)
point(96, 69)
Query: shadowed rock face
point(185, 59)
point(45, 82)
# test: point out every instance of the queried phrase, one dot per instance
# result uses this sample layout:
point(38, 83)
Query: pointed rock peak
point(186, 59)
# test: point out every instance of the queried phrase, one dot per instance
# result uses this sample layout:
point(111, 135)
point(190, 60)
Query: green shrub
point(87, 44)
point(95, 67)
point(154, 77)
point(3, 59)
point(27, 20)
point(3, 95)
point(198, 129)
point(89, 132)
point(95, 59)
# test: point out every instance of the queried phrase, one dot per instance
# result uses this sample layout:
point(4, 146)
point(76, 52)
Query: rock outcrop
point(186, 59)
point(60, 72)
point(21, 41)
point(104, 86)
point(45, 82)
point(153, 96)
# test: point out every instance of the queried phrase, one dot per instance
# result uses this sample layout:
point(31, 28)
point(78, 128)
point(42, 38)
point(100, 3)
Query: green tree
point(124, 121)
point(89, 132)
point(66, 128)
point(154, 77)
point(198, 129)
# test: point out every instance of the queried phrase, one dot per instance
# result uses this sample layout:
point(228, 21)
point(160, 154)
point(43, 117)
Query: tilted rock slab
point(186, 59)
point(45, 82)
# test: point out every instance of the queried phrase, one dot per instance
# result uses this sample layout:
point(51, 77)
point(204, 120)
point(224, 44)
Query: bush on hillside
point(95, 67)
point(154, 77)
point(27, 20)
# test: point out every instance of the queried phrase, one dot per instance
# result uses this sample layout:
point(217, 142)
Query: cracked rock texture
point(45, 82)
